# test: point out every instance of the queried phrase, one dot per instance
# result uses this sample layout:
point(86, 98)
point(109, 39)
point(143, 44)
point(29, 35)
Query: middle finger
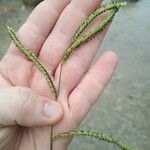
point(59, 40)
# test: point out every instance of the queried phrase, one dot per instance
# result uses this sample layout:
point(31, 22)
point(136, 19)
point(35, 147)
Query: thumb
point(22, 106)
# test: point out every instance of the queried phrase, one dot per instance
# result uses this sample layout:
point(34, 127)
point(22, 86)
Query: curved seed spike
point(99, 27)
point(85, 38)
point(94, 15)
point(33, 58)
point(95, 135)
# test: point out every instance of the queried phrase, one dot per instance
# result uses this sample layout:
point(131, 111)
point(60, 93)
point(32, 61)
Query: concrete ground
point(123, 110)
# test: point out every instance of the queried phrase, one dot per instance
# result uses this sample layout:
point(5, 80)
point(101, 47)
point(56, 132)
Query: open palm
point(48, 32)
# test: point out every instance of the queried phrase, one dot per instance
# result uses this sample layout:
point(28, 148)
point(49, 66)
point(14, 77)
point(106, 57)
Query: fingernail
point(50, 109)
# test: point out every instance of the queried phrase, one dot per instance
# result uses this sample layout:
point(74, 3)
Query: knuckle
point(23, 104)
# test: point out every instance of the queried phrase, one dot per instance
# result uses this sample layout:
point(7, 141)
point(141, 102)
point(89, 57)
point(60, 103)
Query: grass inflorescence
point(77, 41)
point(114, 5)
point(95, 135)
point(33, 58)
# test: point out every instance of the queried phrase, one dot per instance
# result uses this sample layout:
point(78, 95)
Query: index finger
point(35, 30)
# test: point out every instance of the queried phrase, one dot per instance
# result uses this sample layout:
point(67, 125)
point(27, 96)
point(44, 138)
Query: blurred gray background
point(123, 110)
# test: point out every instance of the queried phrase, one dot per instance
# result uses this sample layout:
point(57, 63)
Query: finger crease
point(99, 84)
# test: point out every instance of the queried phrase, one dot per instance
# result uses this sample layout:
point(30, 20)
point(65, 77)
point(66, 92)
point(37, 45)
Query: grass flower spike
point(33, 58)
point(95, 135)
point(77, 41)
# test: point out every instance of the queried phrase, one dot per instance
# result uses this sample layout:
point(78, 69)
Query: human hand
point(47, 32)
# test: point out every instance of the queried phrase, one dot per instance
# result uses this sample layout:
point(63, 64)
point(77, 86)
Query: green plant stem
point(95, 135)
point(34, 59)
point(51, 141)
point(60, 75)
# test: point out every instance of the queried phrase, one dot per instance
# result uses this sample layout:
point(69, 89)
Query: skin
point(48, 32)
